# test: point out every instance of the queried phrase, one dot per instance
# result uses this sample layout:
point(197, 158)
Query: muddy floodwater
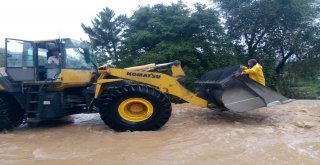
point(283, 134)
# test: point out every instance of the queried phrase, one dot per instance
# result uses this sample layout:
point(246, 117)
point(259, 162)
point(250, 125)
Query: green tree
point(165, 33)
point(105, 35)
point(271, 29)
point(2, 57)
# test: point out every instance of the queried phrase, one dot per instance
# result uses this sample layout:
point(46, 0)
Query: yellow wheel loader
point(135, 98)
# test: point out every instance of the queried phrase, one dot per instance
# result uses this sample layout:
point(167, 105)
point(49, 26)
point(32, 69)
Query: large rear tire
point(11, 114)
point(134, 108)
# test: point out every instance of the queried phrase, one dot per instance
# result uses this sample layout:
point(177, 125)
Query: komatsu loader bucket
point(224, 88)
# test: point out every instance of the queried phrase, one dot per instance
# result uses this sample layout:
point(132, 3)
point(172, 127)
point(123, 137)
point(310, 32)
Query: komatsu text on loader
point(134, 99)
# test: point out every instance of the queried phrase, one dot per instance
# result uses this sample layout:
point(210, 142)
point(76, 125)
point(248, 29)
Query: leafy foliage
point(166, 33)
point(2, 54)
point(105, 35)
point(273, 31)
point(282, 34)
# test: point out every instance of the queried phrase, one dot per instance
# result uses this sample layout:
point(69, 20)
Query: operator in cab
point(54, 56)
point(53, 63)
point(255, 71)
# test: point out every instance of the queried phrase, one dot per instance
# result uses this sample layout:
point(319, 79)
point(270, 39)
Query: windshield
point(79, 55)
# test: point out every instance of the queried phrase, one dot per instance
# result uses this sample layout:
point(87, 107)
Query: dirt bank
point(285, 134)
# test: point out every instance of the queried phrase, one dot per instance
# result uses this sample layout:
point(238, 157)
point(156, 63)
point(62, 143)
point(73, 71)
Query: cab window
point(42, 56)
point(75, 59)
point(19, 54)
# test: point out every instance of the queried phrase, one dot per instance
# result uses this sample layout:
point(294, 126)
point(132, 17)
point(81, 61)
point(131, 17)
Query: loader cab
point(28, 60)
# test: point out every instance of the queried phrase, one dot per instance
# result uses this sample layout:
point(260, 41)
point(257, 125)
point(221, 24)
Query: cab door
point(20, 63)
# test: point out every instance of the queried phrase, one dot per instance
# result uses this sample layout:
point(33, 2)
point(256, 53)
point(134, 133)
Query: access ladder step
point(33, 111)
point(34, 92)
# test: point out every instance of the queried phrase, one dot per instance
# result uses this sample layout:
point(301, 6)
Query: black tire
point(11, 114)
point(110, 100)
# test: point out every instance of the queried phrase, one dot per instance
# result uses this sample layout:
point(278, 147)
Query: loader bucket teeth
point(225, 89)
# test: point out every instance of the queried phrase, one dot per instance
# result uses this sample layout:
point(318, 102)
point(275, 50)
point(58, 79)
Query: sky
point(49, 19)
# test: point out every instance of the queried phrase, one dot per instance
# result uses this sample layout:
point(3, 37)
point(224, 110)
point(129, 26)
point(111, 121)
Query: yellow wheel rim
point(135, 109)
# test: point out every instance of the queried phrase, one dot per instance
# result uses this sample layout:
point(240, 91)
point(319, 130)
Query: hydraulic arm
point(165, 83)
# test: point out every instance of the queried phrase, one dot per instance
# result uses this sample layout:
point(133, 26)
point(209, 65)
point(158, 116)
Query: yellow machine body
point(165, 83)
